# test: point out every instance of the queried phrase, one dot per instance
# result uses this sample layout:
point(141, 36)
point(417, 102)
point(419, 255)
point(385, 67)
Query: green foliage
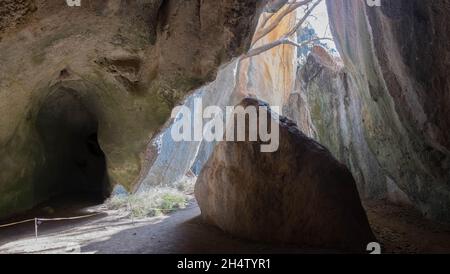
point(305, 34)
point(154, 202)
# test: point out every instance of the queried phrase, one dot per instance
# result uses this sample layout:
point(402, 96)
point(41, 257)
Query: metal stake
point(36, 228)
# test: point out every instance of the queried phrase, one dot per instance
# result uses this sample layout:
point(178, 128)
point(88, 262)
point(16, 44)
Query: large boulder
point(299, 194)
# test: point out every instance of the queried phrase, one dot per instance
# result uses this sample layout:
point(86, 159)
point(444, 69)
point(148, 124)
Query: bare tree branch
point(303, 19)
point(282, 41)
point(285, 39)
point(264, 31)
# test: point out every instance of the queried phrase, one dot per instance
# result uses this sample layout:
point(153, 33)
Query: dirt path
point(113, 232)
point(402, 229)
point(399, 229)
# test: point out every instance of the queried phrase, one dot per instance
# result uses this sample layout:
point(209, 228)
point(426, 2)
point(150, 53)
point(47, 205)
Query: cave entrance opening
point(74, 171)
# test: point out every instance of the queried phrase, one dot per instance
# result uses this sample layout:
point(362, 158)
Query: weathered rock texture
point(386, 113)
point(299, 194)
point(269, 77)
point(14, 12)
point(126, 63)
point(176, 159)
point(327, 107)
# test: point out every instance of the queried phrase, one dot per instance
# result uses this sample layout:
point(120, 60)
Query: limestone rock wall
point(269, 77)
point(386, 112)
point(327, 106)
point(14, 12)
point(127, 63)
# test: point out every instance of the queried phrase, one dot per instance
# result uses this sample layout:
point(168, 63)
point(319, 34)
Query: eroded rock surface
point(386, 113)
point(326, 106)
point(398, 57)
point(14, 12)
point(269, 76)
point(127, 63)
point(298, 195)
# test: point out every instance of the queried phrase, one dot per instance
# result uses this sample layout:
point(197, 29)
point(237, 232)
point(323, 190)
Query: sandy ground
point(402, 229)
point(114, 232)
point(399, 229)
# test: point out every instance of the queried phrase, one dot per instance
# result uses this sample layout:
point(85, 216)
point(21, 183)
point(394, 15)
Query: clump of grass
point(186, 185)
point(154, 202)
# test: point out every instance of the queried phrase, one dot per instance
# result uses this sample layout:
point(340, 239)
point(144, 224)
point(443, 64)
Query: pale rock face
point(269, 77)
point(176, 159)
point(386, 113)
point(297, 195)
point(327, 107)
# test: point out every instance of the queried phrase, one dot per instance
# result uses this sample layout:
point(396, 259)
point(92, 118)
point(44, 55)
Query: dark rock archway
point(74, 161)
point(135, 60)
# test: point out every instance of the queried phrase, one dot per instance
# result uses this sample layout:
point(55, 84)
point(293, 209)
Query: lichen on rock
point(385, 111)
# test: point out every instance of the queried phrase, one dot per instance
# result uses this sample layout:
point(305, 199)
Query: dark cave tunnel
point(75, 165)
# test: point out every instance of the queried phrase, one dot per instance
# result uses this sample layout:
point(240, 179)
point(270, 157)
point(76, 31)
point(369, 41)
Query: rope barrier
point(71, 218)
point(38, 221)
point(17, 223)
point(49, 219)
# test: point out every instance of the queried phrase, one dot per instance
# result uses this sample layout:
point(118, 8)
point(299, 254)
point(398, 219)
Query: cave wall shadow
point(74, 163)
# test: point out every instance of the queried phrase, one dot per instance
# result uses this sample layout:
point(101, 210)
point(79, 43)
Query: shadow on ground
point(399, 229)
point(183, 232)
